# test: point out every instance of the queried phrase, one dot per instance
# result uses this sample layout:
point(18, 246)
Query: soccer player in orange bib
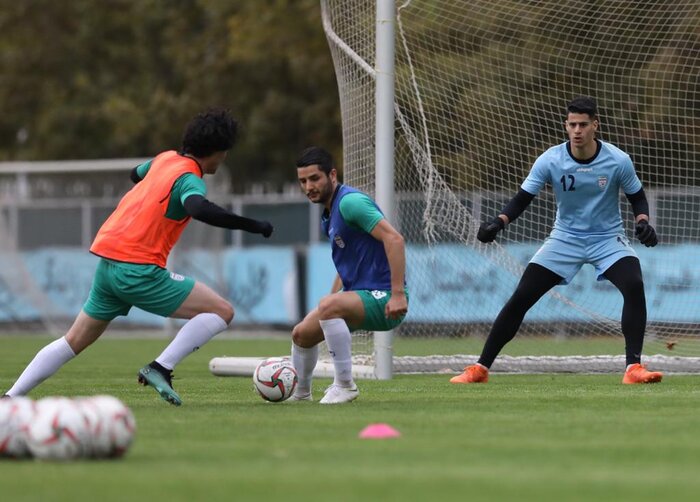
point(133, 246)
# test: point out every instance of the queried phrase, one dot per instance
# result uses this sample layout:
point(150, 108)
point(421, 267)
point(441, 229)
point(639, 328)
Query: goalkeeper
point(586, 175)
point(133, 246)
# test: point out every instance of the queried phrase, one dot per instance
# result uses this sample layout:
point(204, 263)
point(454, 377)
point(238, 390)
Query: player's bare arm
point(337, 284)
point(395, 249)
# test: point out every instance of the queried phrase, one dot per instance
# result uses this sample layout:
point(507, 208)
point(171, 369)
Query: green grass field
point(561, 437)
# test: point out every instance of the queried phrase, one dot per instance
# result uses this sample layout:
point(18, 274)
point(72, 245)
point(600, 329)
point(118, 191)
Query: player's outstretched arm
point(515, 207)
point(395, 249)
point(206, 211)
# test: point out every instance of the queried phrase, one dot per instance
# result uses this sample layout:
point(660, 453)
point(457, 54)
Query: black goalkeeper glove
point(488, 230)
point(265, 228)
point(646, 234)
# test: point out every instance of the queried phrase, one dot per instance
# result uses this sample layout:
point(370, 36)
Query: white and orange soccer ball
point(275, 379)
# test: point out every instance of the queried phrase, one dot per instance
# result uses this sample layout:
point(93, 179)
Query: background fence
point(51, 218)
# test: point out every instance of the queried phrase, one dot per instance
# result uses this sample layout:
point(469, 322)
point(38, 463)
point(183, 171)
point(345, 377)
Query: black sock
point(626, 275)
point(161, 369)
point(534, 283)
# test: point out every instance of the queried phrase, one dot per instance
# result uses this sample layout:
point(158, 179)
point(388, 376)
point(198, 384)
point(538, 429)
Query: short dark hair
point(583, 104)
point(316, 155)
point(209, 132)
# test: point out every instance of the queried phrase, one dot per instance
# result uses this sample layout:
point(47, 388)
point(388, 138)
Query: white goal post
point(384, 151)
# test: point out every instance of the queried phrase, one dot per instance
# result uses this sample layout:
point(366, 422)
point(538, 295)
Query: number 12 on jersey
point(571, 180)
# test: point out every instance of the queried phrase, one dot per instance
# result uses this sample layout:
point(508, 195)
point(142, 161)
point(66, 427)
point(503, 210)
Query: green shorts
point(375, 303)
point(118, 286)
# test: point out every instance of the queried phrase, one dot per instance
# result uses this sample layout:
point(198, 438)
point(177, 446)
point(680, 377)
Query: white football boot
point(297, 396)
point(335, 394)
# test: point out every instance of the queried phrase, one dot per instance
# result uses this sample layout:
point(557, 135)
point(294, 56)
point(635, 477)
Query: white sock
point(195, 333)
point(339, 343)
point(304, 361)
point(46, 362)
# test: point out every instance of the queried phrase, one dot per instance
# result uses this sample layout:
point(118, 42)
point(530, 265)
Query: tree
point(120, 78)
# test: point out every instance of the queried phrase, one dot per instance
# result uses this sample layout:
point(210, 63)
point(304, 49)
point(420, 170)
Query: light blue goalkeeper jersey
point(588, 192)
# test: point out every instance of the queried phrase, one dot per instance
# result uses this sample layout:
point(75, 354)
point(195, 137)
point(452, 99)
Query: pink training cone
point(379, 431)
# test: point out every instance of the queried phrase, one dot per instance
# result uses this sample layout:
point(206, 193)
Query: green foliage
point(120, 78)
point(116, 78)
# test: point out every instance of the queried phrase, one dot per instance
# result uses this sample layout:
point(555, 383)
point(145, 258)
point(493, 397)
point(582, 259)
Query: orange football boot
point(472, 374)
point(639, 374)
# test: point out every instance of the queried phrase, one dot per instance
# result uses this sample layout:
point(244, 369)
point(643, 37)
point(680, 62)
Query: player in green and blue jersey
point(369, 292)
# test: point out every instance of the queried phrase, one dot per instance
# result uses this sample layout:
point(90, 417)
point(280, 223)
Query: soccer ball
point(15, 416)
point(111, 426)
point(275, 379)
point(59, 430)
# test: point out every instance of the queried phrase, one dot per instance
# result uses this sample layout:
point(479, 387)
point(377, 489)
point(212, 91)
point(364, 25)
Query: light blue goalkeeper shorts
point(565, 254)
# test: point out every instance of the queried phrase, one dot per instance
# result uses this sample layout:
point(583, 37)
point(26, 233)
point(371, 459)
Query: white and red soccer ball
point(58, 428)
point(275, 379)
point(111, 426)
point(15, 416)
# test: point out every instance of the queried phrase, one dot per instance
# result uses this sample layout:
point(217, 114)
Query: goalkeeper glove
point(646, 234)
point(265, 228)
point(488, 230)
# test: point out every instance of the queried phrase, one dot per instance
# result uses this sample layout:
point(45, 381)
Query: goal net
point(480, 92)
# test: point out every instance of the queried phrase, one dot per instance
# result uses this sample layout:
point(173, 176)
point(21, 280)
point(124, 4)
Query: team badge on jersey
point(602, 182)
point(339, 242)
